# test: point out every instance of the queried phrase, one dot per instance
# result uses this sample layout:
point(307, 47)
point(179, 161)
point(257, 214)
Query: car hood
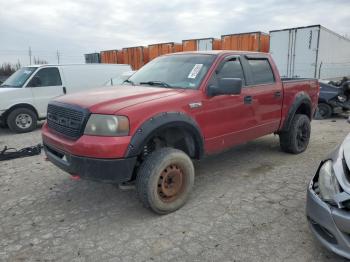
point(109, 100)
point(4, 90)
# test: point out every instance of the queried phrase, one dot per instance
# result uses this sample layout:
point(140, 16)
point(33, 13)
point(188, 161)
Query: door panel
point(267, 95)
point(226, 119)
point(49, 87)
point(280, 51)
point(205, 44)
point(305, 52)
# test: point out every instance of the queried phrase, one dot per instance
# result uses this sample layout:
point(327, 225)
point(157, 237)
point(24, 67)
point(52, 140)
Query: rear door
point(306, 41)
point(264, 93)
point(280, 49)
point(45, 85)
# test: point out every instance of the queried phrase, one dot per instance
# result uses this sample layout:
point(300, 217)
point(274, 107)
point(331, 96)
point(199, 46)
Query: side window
point(261, 71)
point(232, 69)
point(46, 77)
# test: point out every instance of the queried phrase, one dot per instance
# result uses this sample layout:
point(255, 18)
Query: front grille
point(67, 120)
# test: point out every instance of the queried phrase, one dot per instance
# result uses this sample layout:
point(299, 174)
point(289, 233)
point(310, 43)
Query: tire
point(324, 110)
point(297, 138)
point(165, 180)
point(3, 125)
point(22, 120)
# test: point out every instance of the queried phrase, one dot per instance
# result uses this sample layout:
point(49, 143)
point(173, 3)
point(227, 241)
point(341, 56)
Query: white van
point(24, 96)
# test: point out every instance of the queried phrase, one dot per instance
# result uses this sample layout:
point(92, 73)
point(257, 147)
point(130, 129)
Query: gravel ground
point(248, 204)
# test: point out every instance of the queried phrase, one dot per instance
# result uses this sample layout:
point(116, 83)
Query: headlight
point(342, 98)
point(328, 182)
point(107, 125)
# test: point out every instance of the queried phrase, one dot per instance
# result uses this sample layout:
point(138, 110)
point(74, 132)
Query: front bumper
point(102, 170)
point(330, 225)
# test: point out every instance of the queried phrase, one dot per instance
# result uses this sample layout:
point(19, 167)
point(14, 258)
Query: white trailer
point(310, 51)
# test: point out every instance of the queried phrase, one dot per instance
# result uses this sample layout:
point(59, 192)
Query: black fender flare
point(301, 99)
point(162, 121)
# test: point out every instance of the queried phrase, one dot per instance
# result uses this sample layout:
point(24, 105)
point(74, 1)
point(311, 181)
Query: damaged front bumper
point(330, 224)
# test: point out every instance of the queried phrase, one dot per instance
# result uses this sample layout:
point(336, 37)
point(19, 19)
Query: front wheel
point(297, 138)
point(324, 110)
point(22, 120)
point(165, 180)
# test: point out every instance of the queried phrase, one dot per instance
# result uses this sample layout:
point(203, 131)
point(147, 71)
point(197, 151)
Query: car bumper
point(330, 225)
point(102, 170)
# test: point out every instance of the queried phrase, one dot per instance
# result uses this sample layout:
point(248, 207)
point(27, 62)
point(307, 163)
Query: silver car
point(328, 201)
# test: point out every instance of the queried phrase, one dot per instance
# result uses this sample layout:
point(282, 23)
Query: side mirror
point(34, 82)
point(226, 86)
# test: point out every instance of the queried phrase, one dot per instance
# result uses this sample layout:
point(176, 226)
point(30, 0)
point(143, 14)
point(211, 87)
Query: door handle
point(248, 99)
point(64, 90)
point(277, 94)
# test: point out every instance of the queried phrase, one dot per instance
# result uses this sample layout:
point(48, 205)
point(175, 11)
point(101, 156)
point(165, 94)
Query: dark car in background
point(333, 99)
point(328, 201)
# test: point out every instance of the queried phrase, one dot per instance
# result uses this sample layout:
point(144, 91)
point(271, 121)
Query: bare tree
point(7, 69)
point(38, 61)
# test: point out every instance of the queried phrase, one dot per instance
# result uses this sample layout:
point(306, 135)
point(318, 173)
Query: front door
point(225, 119)
point(45, 85)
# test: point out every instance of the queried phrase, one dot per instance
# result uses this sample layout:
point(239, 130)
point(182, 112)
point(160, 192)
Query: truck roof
point(98, 64)
point(217, 52)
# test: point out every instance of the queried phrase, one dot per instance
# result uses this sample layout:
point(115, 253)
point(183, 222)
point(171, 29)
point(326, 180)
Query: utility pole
point(30, 55)
point(58, 57)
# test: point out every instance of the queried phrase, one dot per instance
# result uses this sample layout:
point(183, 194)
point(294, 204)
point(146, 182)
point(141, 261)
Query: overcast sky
point(83, 26)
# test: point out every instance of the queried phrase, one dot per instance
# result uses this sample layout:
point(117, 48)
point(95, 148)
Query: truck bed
point(292, 87)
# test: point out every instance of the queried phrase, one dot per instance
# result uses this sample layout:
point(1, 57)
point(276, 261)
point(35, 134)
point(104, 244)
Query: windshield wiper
point(155, 83)
point(128, 81)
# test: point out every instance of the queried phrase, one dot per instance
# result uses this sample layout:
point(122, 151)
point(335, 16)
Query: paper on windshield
point(195, 70)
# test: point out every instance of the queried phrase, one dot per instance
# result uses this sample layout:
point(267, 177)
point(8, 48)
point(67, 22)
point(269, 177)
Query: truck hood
point(112, 99)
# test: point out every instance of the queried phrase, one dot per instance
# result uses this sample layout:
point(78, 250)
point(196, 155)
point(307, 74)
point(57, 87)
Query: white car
point(24, 96)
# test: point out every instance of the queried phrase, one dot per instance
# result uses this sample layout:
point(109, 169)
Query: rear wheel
point(324, 110)
point(165, 180)
point(22, 120)
point(296, 139)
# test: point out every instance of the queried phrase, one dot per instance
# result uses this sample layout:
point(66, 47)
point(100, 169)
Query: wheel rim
point(171, 183)
point(303, 135)
point(23, 121)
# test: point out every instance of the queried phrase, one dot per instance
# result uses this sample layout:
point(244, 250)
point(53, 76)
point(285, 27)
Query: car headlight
point(107, 125)
point(328, 183)
point(342, 98)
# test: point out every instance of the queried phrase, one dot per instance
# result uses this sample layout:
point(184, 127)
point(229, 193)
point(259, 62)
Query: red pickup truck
point(177, 108)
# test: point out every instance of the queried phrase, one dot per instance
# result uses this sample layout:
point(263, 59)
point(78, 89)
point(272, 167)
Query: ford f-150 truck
point(177, 108)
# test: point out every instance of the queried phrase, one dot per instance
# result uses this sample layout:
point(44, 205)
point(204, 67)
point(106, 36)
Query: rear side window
point(232, 69)
point(48, 77)
point(261, 71)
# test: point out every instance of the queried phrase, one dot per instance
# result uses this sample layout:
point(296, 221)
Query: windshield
point(175, 71)
point(18, 78)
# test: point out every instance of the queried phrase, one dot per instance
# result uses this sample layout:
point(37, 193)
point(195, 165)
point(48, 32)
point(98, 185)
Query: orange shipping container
point(135, 56)
point(110, 57)
point(156, 50)
point(202, 44)
point(255, 41)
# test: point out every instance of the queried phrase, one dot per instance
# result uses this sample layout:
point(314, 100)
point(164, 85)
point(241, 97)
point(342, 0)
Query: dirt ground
point(248, 204)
